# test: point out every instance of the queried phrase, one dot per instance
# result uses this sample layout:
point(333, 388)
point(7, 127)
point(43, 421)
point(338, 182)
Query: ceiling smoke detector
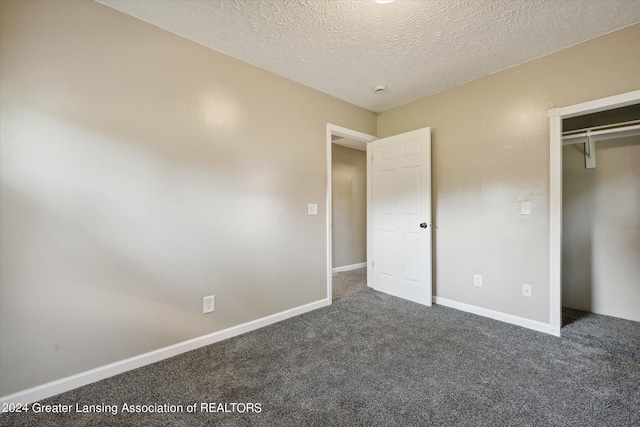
point(379, 88)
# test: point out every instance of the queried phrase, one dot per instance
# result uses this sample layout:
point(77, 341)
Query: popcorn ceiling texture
point(415, 47)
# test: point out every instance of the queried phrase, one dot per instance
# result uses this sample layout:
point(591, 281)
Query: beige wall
point(349, 205)
point(601, 229)
point(140, 172)
point(490, 152)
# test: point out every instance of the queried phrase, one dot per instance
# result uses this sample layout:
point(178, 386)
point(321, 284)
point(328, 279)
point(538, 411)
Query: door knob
point(423, 225)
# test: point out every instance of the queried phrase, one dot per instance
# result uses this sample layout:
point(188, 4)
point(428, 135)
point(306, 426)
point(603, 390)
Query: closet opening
point(556, 118)
point(601, 214)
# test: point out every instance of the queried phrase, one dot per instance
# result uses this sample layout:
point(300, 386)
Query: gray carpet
point(348, 282)
point(375, 360)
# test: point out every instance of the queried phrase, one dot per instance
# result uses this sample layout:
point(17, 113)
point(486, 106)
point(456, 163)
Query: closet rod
point(629, 128)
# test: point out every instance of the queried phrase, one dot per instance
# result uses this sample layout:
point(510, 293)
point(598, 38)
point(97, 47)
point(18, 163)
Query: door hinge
point(373, 264)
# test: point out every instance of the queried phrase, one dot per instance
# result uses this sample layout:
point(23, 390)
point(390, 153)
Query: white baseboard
point(496, 315)
point(65, 384)
point(349, 267)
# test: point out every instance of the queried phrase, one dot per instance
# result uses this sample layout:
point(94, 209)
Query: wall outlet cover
point(477, 280)
point(208, 304)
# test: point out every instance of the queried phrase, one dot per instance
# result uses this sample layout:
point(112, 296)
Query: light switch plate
point(526, 290)
point(313, 209)
point(525, 208)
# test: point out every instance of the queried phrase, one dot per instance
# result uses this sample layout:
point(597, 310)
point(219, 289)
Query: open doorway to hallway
point(347, 207)
point(349, 212)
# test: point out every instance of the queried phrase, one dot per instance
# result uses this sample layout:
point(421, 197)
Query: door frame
point(556, 115)
point(334, 130)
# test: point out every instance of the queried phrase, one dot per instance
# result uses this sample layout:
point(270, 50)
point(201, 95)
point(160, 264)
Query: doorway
point(557, 116)
point(398, 200)
point(343, 137)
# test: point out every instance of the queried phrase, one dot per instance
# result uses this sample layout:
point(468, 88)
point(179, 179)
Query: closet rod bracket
point(589, 152)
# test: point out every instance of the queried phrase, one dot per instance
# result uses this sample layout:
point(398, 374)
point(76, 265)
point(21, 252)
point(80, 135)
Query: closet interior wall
point(601, 221)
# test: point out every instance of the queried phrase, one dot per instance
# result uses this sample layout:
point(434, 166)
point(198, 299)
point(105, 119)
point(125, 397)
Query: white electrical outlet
point(526, 290)
point(477, 280)
point(208, 304)
point(312, 209)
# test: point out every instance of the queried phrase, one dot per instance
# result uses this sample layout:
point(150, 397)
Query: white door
point(401, 215)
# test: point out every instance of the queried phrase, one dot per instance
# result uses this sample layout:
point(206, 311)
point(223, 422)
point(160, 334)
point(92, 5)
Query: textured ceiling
point(414, 47)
